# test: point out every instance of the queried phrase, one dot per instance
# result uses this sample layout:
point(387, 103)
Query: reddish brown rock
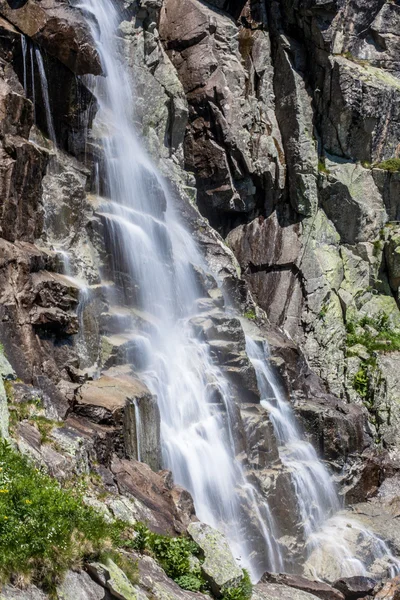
point(355, 587)
point(390, 591)
point(59, 29)
point(317, 588)
point(115, 400)
point(172, 505)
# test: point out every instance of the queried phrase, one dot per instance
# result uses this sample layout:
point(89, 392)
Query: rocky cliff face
point(276, 124)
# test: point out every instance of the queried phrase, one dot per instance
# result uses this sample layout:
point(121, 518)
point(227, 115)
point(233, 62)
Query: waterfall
point(45, 94)
point(31, 54)
point(24, 45)
point(325, 529)
point(153, 259)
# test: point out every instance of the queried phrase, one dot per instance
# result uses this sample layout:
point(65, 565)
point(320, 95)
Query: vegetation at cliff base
point(181, 559)
point(175, 555)
point(44, 529)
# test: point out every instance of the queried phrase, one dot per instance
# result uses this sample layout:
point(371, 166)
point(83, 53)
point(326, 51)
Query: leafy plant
point(250, 314)
point(391, 164)
point(174, 554)
point(192, 583)
point(386, 338)
point(361, 382)
point(243, 591)
point(44, 529)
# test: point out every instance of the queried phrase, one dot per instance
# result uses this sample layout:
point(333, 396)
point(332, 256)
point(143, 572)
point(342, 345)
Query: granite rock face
point(271, 122)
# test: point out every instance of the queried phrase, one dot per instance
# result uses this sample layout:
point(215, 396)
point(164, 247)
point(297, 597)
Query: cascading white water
point(24, 45)
point(326, 531)
point(151, 247)
point(45, 94)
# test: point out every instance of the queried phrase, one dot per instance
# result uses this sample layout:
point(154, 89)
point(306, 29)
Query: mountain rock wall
point(272, 122)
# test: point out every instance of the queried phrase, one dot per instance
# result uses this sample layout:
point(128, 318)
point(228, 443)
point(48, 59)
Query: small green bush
point(173, 553)
point(192, 583)
point(391, 164)
point(386, 340)
point(44, 529)
point(361, 382)
point(243, 591)
point(250, 314)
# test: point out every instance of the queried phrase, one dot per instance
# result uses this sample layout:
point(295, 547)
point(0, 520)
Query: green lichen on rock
point(219, 565)
point(114, 578)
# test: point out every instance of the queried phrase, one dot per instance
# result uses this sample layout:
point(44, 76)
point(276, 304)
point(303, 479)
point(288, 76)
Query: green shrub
point(386, 340)
point(361, 382)
point(192, 583)
point(243, 591)
point(391, 164)
point(250, 314)
point(173, 553)
point(44, 530)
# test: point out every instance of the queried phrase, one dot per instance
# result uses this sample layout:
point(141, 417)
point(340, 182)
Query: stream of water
point(151, 246)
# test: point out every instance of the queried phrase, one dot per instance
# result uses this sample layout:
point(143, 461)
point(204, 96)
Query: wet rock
point(79, 586)
point(355, 587)
point(219, 566)
point(120, 400)
point(316, 588)
point(171, 506)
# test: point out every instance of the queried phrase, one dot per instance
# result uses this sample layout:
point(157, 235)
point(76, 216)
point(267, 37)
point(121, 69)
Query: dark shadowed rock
point(317, 588)
point(355, 587)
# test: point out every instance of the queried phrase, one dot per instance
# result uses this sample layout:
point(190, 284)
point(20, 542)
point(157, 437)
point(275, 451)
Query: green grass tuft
point(250, 314)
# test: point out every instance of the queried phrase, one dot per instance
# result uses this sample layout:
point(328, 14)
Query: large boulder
point(79, 586)
point(119, 400)
point(275, 591)
point(219, 566)
point(355, 587)
point(317, 588)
